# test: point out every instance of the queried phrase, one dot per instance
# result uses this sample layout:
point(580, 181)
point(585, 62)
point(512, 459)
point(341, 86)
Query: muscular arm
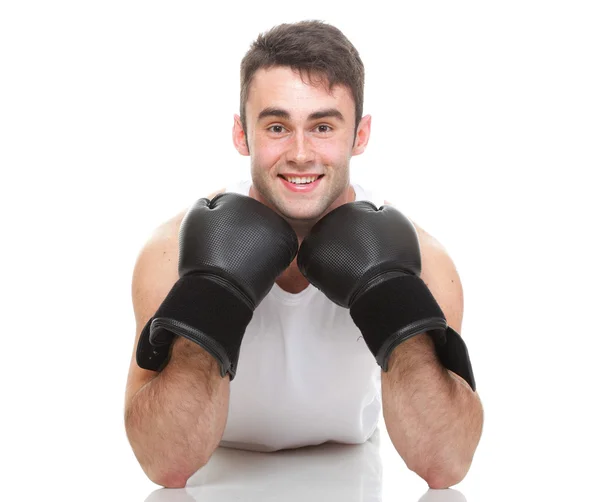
point(433, 417)
point(174, 419)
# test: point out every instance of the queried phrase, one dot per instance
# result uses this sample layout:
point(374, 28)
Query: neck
point(292, 280)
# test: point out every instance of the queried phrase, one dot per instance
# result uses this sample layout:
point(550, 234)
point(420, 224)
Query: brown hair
point(313, 48)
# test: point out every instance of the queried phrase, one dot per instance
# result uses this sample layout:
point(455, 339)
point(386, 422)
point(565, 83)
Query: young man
point(259, 328)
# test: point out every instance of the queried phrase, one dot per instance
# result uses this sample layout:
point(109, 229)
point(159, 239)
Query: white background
point(486, 127)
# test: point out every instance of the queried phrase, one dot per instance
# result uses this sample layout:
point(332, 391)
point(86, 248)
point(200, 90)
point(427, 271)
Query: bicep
point(439, 273)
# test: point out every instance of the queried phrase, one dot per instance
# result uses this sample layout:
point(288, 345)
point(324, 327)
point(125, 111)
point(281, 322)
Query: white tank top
point(305, 376)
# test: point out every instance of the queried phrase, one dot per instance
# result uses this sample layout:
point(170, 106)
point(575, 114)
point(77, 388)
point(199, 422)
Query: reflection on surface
point(443, 496)
point(325, 472)
point(349, 473)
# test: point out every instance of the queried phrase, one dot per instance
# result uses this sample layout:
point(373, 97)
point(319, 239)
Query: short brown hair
point(312, 48)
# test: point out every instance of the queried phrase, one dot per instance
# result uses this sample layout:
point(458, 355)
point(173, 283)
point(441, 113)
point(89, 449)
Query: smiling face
point(300, 137)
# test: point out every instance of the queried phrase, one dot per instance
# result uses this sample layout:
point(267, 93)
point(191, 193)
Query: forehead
point(281, 87)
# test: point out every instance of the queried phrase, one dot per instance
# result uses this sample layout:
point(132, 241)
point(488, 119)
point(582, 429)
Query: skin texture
point(294, 127)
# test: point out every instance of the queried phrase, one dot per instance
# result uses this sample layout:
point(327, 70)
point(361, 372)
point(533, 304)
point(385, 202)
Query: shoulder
point(155, 269)
point(439, 273)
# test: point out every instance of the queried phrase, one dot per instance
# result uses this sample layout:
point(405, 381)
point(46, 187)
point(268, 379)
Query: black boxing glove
point(369, 260)
point(231, 250)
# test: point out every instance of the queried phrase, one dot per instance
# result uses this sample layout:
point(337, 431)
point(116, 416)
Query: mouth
point(301, 180)
point(301, 184)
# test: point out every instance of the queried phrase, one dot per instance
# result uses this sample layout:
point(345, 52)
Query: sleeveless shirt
point(305, 375)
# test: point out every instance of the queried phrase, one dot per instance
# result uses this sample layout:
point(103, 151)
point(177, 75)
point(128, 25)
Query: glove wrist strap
point(203, 310)
point(401, 307)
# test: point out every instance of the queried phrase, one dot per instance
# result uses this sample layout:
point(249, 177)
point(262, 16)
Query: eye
point(324, 128)
point(277, 129)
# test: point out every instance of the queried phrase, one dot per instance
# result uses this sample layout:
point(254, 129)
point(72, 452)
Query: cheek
point(267, 152)
point(335, 152)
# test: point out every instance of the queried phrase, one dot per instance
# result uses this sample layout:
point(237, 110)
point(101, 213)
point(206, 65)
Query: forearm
point(433, 418)
point(176, 420)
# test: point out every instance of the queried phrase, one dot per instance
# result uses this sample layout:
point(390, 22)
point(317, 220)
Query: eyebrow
point(321, 114)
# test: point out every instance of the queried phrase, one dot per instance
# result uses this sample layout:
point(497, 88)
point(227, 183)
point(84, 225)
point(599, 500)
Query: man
point(291, 312)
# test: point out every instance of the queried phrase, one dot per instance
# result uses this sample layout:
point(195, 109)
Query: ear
point(362, 135)
point(239, 137)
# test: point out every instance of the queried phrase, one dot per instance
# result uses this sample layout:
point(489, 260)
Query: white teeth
point(304, 179)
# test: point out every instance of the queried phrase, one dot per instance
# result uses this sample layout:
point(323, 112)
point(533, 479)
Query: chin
point(306, 216)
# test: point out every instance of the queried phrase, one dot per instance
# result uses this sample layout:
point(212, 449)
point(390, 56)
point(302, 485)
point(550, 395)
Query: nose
point(300, 151)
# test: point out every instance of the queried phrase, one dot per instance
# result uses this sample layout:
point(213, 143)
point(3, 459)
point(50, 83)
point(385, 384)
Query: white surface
point(114, 115)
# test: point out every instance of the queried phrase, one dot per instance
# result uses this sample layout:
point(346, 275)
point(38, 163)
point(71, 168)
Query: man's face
point(299, 132)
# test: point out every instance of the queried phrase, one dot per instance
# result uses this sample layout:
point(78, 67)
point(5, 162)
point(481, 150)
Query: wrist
point(395, 311)
point(417, 351)
point(187, 353)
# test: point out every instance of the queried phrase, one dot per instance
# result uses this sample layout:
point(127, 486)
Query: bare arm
point(433, 417)
point(174, 419)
